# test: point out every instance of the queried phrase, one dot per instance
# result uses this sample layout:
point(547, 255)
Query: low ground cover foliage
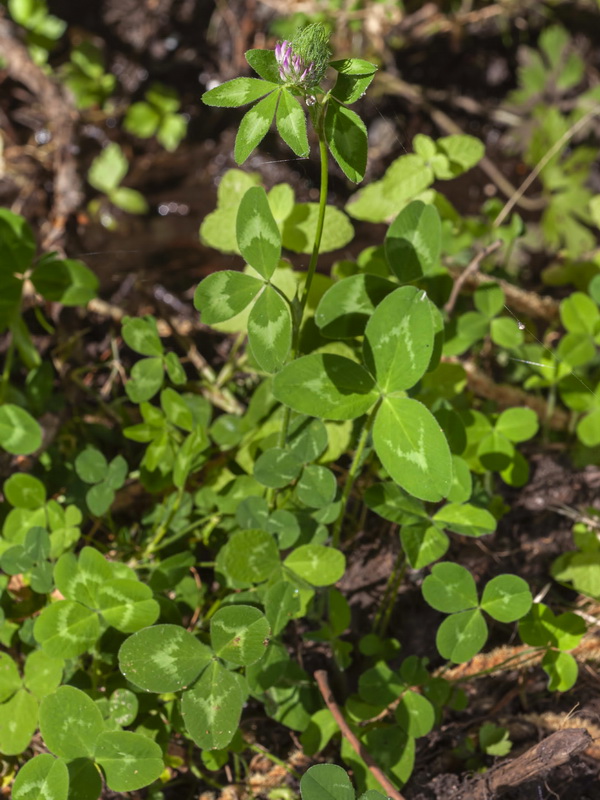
point(343, 394)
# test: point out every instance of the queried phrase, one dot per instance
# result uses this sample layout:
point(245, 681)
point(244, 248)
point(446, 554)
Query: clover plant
point(86, 76)
point(67, 281)
point(105, 174)
point(341, 396)
point(157, 116)
point(43, 29)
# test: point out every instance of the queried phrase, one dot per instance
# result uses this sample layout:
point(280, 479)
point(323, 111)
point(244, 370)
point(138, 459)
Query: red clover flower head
point(303, 61)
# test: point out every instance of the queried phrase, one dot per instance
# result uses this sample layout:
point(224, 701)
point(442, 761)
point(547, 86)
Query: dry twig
point(323, 684)
point(509, 396)
point(551, 752)
point(468, 272)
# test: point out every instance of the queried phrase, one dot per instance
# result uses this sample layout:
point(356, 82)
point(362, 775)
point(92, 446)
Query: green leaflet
point(517, 424)
point(20, 434)
point(541, 627)
point(353, 66)
point(412, 448)
point(506, 598)
point(316, 487)
point(291, 124)
point(562, 670)
point(264, 64)
point(70, 723)
point(413, 242)
point(239, 634)
point(18, 721)
point(225, 294)
point(211, 709)
point(78, 578)
point(399, 339)
point(462, 152)
point(254, 126)
point(163, 658)
point(462, 635)
point(141, 334)
point(270, 330)
point(282, 603)
point(390, 502)
point(17, 242)
point(300, 227)
point(42, 778)
point(85, 782)
point(326, 782)
point(465, 519)
point(395, 753)
point(146, 379)
point(250, 556)
point(42, 673)
point(129, 760)
point(317, 564)
point(127, 605)
point(423, 544)
point(65, 281)
point(404, 180)
point(489, 299)
point(10, 680)
point(346, 136)
point(238, 92)
point(353, 80)
point(308, 438)
point(325, 386)
point(415, 714)
point(450, 587)
point(218, 228)
point(346, 307)
point(66, 629)
point(277, 468)
point(258, 236)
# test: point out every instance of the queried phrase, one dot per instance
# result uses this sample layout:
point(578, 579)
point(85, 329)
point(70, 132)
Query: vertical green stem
point(319, 233)
point(312, 266)
point(163, 528)
point(5, 380)
point(352, 472)
point(384, 612)
point(229, 366)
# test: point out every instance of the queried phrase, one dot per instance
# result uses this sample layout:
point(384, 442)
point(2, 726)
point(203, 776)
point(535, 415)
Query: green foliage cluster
point(352, 397)
point(93, 87)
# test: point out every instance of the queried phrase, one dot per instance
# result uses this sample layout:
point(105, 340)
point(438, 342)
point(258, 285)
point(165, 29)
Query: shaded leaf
point(346, 136)
point(325, 386)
